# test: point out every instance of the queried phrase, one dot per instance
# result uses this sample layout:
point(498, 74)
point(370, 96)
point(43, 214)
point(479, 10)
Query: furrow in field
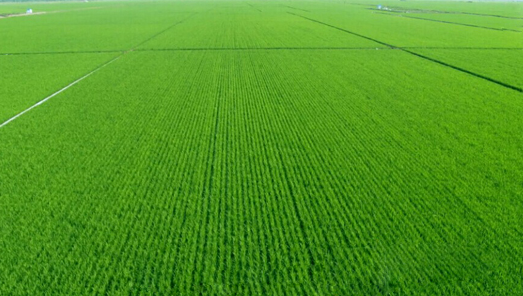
point(304, 173)
point(399, 149)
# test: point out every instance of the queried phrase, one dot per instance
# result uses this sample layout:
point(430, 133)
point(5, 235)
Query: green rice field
point(261, 147)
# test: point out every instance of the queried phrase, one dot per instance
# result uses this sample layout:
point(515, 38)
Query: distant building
point(379, 6)
point(29, 11)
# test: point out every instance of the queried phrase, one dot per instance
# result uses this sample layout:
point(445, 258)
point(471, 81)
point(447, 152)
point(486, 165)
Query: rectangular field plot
point(117, 27)
point(400, 31)
point(266, 173)
point(481, 22)
point(501, 65)
point(27, 79)
point(247, 27)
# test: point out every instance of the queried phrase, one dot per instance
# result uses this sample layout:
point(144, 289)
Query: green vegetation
point(27, 79)
point(492, 23)
point(500, 64)
point(260, 148)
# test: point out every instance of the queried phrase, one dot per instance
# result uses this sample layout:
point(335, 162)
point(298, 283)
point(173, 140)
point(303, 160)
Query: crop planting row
point(252, 173)
point(258, 172)
point(117, 27)
point(245, 27)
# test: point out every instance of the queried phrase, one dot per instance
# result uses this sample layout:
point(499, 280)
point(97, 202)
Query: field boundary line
point(321, 48)
point(257, 48)
point(252, 6)
point(58, 92)
point(161, 32)
point(460, 48)
point(5, 16)
point(446, 22)
point(464, 70)
point(294, 8)
point(62, 52)
point(344, 30)
point(506, 85)
point(88, 74)
point(121, 51)
point(425, 11)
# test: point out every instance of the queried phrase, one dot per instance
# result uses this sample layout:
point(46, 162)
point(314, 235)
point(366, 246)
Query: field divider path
point(295, 8)
point(460, 48)
point(506, 85)
point(89, 74)
point(62, 52)
point(259, 49)
point(161, 32)
point(447, 22)
point(256, 48)
point(346, 31)
point(320, 48)
point(429, 11)
point(468, 13)
point(253, 7)
point(58, 92)
point(465, 71)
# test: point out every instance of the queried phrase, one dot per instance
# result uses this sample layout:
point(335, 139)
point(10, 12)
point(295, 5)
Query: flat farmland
point(27, 79)
point(260, 148)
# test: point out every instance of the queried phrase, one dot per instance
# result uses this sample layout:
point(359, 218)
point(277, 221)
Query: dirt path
point(21, 14)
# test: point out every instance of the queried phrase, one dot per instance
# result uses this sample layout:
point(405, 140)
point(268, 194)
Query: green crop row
point(306, 170)
point(247, 28)
point(264, 173)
